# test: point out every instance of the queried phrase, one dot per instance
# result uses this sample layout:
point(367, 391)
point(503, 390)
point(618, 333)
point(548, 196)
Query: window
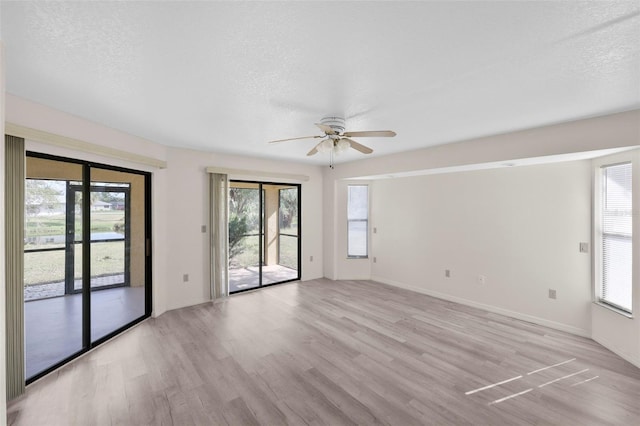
point(357, 220)
point(616, 237)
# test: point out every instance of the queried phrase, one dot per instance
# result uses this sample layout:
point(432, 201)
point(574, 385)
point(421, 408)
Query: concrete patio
point(246, 278)
point(56, 289)
point(53, 326)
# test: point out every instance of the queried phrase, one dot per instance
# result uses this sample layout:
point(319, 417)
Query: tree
point(288, 207)
point(111, 197)
point(39, 195)
point(237, 230)
point(243, 206)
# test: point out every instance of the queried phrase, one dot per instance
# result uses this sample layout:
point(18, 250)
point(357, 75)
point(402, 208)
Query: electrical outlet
point(310, 258)
point(552, 294)
point(204, 229)
point(375, 230)
point(482, 279)
point(375, 259)
point(584, 247)
point(185, 278)
point(447, 273)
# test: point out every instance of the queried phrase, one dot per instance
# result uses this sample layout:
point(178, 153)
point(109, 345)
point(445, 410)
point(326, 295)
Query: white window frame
point(367, 220)
point(599, 164)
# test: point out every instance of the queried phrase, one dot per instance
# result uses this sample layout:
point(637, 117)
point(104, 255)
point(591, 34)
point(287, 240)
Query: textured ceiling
point(229, 76)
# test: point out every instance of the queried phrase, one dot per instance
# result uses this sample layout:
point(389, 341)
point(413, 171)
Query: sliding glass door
point(264, 237)
point(86, 257)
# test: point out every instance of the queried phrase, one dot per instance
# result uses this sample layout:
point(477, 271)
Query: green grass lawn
point(39, 226)
point(48, 266)
point(289, 252)
point(248, 256)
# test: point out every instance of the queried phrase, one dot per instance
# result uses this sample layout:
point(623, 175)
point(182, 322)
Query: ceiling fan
point(335, 140)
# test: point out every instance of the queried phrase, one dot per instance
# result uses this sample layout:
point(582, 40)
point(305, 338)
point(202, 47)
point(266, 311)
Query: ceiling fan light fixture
point(325, 146)
point(342, 146)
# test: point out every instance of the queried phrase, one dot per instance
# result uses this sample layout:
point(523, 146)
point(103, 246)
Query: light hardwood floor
point(337, 353)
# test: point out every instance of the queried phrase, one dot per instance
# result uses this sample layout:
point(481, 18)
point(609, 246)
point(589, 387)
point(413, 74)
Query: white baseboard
point(495, 309)
point(616, 350)
point(352, 278)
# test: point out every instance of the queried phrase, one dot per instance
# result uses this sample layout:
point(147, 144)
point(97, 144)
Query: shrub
point(237, 230)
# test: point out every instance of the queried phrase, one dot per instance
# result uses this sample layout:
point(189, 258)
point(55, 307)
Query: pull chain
point(331, 158)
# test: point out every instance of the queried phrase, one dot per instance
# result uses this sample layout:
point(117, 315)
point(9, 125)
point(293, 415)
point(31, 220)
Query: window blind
point(617, 231)
point(14, 264)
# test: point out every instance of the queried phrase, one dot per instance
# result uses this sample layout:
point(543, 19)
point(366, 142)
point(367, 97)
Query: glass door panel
point(74, 239)
point(245, 236)
point(52, 314)
point(281, 234)
point(270, 235)
point(117, 250)
point(289, 234)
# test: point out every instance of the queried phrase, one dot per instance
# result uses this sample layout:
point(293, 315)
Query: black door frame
point(261, 231)
point(87, 344)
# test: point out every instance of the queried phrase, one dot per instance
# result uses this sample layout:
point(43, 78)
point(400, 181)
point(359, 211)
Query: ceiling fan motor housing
point(336, 123)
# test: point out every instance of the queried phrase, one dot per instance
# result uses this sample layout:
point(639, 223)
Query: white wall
point(619, 333)
point(520, 227)
point(179, 199)
point(160, 241)
point(329, 213)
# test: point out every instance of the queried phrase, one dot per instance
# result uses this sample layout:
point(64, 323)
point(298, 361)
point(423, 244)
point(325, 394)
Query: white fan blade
point(372, 133)
point(327, 129)
point(295, 139)
point(358, 147)
point(314, 151)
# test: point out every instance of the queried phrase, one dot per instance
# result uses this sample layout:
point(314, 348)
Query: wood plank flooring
point(337, 353)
